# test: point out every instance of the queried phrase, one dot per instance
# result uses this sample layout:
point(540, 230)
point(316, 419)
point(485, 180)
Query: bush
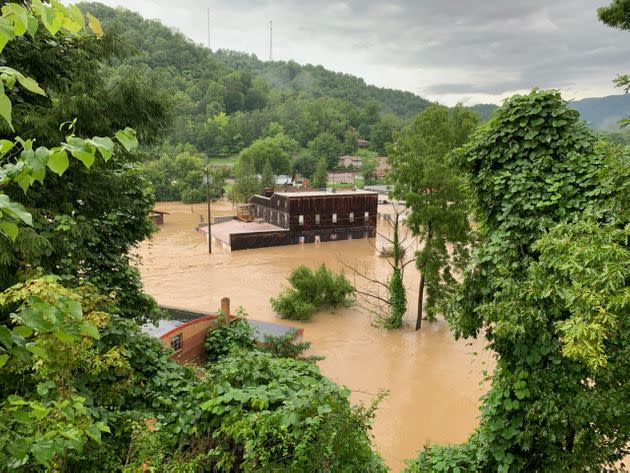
point(193, 196)
point(290, 305)
point(286, 346)
point(310, 290)
point(263, 413)
point(228, 335)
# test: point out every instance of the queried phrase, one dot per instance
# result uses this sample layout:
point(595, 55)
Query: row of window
point(366, 216)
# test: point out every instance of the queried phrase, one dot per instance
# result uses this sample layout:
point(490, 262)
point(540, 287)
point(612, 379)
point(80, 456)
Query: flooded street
point(433, 380)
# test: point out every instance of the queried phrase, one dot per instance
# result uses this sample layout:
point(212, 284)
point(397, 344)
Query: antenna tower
point(270, 41)
point(208, 28)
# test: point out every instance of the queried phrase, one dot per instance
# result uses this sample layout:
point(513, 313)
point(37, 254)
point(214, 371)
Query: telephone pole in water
point(270, 41)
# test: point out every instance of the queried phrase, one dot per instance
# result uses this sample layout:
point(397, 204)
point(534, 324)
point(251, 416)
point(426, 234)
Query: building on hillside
point(284, 180)
point(341, 178)
point(363, 143)
point(382, 167)
point(347, 161)
point(301, 216)
point(301, 181)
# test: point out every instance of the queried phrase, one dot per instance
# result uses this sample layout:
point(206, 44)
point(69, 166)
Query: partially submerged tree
point(386, 301)
point(432, 189)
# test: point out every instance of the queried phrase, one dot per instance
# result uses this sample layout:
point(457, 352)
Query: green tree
point(617, 15)
point(267, 179)
point(432, 189)
point(327, 146)
point(548, 287)
point(246, 180)
point(320, 177)
point(268, 150)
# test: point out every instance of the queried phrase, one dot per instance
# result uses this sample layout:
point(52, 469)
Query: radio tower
point(270, 41)
point(208, 28)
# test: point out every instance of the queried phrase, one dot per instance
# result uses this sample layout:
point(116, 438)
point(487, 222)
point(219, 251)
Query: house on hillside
point(341, 177)
point(382, 167)
point(363, 143)
point(301, 216)
point(283, 180)
point(347, 161)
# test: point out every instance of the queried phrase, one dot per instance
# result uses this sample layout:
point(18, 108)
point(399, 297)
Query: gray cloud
point(447, 50)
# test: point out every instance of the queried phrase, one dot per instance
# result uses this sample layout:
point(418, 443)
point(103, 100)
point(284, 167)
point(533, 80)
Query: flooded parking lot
point(433, 380)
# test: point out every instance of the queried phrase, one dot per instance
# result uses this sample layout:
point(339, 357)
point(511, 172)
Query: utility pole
point(270, 41)
point(208, 28)
point(208, 201)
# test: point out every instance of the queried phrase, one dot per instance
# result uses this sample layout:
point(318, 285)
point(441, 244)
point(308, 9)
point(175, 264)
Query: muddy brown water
point(434, 381)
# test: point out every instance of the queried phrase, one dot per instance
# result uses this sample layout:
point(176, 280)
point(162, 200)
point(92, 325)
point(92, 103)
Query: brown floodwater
point(434, 381)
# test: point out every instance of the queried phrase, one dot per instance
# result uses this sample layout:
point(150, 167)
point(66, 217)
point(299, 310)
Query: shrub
point(227, 335)
point(286, 346)
point(310, 290)
point(290, 305)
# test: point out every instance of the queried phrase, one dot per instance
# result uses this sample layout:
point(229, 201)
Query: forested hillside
point(224, 101)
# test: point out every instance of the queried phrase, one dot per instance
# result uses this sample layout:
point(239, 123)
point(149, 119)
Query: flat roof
point(222, 231)
point(325, 193)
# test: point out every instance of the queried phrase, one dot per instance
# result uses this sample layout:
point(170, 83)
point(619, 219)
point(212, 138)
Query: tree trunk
point(420, 298)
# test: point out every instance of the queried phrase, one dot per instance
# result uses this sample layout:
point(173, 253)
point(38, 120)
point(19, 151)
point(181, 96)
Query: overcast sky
point(444, 50)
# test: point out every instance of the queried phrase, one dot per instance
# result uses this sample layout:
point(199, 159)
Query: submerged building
point(293, 217)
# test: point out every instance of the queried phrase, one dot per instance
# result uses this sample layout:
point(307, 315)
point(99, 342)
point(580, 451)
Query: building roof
point(222, 231)
point(324, 193)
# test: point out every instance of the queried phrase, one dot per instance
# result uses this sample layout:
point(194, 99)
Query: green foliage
point(247, 183)
point(290, 305)
point(326, 146)
point(193, 196)
point(320, 178)
point(81, 224)
point(310, 290)
point(286, 346)
point(548, 284)
point(281, 414)
point(423, 178)
point(228, 334)
point(267, 178)
point(617, 15)
point(397, 300)
point(267, 150)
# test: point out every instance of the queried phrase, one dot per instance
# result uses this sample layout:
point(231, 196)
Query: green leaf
point(90, 330)
point(19, 16)
point(43, 451)
point(3, 360)
point(23, 331)
point(5, 108)
point(93, 432)
point(6, 32)
point(58, 161)
point(85, 157)
point(30, 84)
point(32, 26)
point(9, 228)
point(34, 319)
point(95, 25)
point(36, 163)
point(15, 210)
point(127, 138)
point(37, 350)
point(5, 147)
point(5, 336)
point(65, 336)
point(105, 146)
